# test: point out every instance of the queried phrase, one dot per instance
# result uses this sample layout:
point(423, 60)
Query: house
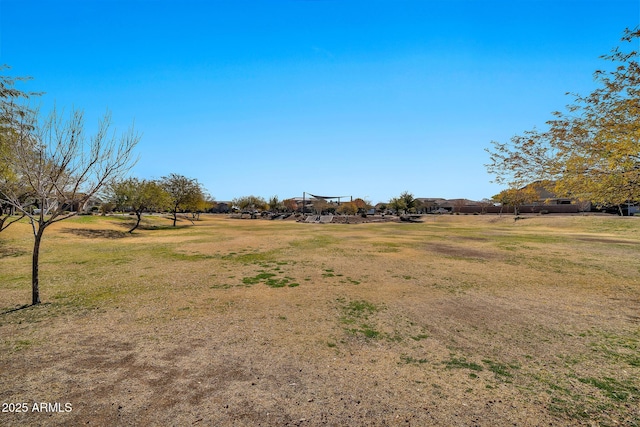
point(221, 207)
point(549, 201)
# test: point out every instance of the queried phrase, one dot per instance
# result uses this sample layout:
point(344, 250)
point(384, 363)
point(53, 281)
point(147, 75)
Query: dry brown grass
point(460, 320)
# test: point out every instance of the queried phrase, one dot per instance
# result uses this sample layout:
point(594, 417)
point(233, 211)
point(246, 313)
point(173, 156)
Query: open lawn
point(457, 321)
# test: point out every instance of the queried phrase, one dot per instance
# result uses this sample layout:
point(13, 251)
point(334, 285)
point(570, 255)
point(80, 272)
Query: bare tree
point(12, 109)
point(58, 170)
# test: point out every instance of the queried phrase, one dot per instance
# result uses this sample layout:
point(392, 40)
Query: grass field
point(459, 320)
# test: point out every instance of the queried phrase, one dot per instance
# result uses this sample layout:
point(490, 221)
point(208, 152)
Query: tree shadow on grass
point(161, 227)
point(23, 307)
point(97, 234)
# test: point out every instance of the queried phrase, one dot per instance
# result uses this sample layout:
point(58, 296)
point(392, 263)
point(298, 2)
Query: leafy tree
point(183, 193)
point(403, 203)
point(106, 207)
point(362, 205)
point(516, 197)
point(525, 159)
point(139, 196)
point(249, 203)
point(290, 205)
point(201, 203)
point(409, 201)
point(60, 170)
point(397, 204)
point(348, 208)
point(320, 206)
point(275, 205)
point(592, 151)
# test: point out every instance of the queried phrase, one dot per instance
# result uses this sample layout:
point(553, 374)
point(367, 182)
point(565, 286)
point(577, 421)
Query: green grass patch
point(261, 277)
point(500, 370)
point(270, 279)
point(614, 389)
point(462, 363)
point(409, 360)
point(359, 312)
point(419, 337)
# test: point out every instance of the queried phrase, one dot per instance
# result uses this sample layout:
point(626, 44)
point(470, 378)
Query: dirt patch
point(11, 252)
point(459, 251)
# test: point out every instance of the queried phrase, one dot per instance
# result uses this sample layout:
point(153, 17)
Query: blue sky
point(341, 97)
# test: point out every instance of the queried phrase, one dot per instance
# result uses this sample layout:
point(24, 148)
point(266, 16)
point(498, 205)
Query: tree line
point(50, 167)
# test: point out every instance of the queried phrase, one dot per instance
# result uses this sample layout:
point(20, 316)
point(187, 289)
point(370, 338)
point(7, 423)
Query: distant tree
point(183, 192)
point(583, 205)
point(106, 207)
point(516, 197)
point(485, 203)
point(398, 205)
point(210, 203)
point(58, 169)
point(138, 196)
point(275, 205)
point(409, 201)
point(458, 204)
point(348, 208)
point(250, 203)
point(290, 205)
point(362, 205)
point(320, 206)
point(201, 202)
point(418, 206)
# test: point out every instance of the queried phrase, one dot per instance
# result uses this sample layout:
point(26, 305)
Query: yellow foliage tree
point(592, 151)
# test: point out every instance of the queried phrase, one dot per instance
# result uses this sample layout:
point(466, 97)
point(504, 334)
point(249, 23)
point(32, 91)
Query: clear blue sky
point(338, 97)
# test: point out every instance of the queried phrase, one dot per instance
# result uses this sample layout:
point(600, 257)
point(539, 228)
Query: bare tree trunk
point(139, 216)
point(35, 283)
